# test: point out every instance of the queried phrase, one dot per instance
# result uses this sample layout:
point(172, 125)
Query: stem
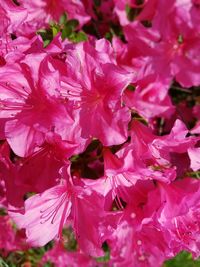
point(181, 89)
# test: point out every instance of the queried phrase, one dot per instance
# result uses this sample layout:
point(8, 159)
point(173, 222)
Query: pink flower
point(13, 51)
point(146, 10)
point(176, 142)
point(150, 98)
point(2, 194)
point(47, 213)
point(11, 17)
point(146, 164)
point(37, 172)
point(60, 256)
point(91, 136)
point(170, 50)
point(196, 128)
point(10, 239)
point(127, 58)
point(194, 158)
point(148, 157)
point(95, 87)
point(179, 41)
point(40, 13)
point(179, 217)
point(143, 247)
point(26, 101)
point(137, 240)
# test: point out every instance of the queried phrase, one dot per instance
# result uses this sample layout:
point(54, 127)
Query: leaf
point(63, 18)
point(3, 263)
point(48, 264)
point(78, 37)
point(97, 2)
point(106, 256)
point(131, 13)
point(55, 30)
point(46, 42)
point(66, 32)
point(183, 259)
point(73, 23)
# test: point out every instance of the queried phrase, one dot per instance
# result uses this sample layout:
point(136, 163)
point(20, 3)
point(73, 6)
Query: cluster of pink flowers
point(91, 137)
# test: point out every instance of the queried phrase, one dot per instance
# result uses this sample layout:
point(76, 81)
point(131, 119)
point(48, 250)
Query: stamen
point(52, 211)
point(115, 192)
point(80, 94)
point(11, 105)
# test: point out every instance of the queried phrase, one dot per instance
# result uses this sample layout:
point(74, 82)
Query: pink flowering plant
point(99, 133)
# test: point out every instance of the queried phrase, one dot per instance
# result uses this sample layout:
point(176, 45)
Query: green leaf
point(52, 22)
point(109, 36)
point(42, 33)
point(81, 36)
point(47, 35)
point(131, 87)
point(73, 23)
point(183, 259)
point(66, 32)
point(131, 13)
point(128, 9)
point(97, 2)
point(46, 42)
point(2, 212)
point(78, 37)
point(63, 19)
point(55, 30)
point(48, 264)
point(3, 263)
point(106, 256)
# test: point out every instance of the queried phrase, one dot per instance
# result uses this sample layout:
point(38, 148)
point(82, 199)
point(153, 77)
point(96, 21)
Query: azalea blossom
point(99, 132)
